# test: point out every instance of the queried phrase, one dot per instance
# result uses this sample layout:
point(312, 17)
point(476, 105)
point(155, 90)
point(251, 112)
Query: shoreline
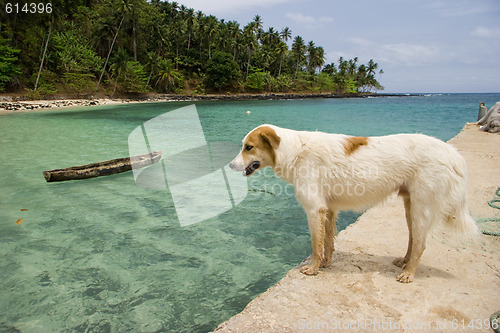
point(454, 282)
point(11, 104)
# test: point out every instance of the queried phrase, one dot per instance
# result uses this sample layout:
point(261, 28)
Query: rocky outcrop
point(491, 121)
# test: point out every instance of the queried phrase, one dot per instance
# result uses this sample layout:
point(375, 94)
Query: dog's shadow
point(362, 263)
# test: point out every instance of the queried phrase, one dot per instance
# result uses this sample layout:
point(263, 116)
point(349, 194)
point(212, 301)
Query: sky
point(423, 46)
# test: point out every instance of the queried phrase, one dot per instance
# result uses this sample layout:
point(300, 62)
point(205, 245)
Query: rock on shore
point(34, 105)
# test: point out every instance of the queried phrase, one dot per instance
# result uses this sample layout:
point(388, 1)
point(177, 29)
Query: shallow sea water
point(105, 255)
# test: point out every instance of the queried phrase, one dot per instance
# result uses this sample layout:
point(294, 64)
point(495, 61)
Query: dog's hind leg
point(401, 262)
point(421, 219)
point(330, 231)
point(317, 220)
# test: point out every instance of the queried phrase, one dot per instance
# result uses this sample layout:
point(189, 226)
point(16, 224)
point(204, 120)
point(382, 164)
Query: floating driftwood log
point(104, 168)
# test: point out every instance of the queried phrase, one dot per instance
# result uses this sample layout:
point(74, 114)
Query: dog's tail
point(459, 218)
point(464, 223)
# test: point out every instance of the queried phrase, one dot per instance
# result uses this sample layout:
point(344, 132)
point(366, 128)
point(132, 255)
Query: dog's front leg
point(330, 231)
point(316, 219)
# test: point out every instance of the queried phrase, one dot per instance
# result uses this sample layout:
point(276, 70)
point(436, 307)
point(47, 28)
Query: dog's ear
point(269, 136)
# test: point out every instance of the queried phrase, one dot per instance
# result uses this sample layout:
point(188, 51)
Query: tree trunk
point(135, 40)
point(248, 63)
point(43, 58)
point(149, 78)
point(105, 168)
point(110, 49)
point(209, 49)
point(116, 84)
point(296, 69)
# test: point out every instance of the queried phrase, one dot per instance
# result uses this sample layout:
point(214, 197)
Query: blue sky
point(422, 45)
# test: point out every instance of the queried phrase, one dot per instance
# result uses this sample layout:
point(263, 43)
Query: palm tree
point(257, 20)
point(317, 58)
point(286, 34)
point(167, 74)
point(174, 6)
point(270, 37)
point(343, 66)
point(104, 32)
point(281, 50)
point(298, 49)
point(211, 32)
point(266, 57)
point(152, 61)
point(190, 19)
point(372, 67)
point(125, 7)
point(234, 35)
point(353, 66)
point(371, 81)
point(330, 69)
point(311, 54)
point(177, 35)
point(119, 65)
point(200, 29)
point(250, 41)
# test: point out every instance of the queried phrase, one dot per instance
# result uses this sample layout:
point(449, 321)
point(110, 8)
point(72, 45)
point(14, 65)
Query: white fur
point(429, 174)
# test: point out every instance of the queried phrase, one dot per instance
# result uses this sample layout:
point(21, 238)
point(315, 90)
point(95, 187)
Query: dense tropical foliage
point(134, 46)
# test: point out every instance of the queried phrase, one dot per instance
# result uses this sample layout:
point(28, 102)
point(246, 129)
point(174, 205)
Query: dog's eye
point(248, 147)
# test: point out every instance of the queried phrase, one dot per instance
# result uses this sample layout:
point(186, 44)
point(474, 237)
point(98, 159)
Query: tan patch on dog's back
point(354, 142)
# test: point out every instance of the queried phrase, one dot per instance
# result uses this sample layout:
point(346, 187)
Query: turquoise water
point(105, 255)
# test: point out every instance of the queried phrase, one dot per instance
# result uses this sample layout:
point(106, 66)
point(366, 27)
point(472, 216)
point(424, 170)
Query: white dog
point(334, 172)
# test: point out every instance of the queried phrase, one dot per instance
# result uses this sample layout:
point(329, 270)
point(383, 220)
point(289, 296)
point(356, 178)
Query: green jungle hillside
point(118, 47)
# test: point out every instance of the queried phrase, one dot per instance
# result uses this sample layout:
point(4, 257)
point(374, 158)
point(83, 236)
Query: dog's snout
point(237, 163)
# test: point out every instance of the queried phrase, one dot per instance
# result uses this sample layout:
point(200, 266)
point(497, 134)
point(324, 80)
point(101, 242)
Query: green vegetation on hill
point(135, 46)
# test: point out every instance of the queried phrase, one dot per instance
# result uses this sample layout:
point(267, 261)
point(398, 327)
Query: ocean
point(106, 255)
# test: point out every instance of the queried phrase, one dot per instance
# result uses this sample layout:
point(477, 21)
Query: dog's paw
point(309, 270)
point(325, 263)
point(400, 262)
point(405, 277)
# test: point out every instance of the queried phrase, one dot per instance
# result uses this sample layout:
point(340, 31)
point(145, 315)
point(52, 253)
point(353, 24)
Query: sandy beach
point(457, 284)
point(9, 104)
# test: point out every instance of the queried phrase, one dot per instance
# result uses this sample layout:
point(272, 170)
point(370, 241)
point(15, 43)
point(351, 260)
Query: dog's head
point(259, 150)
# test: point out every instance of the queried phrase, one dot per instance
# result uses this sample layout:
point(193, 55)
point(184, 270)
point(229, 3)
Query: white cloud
point(486, 32)
point(326, 19)
point(221, 7)
point(301, 18)
point(411, 54)
point(362, 42)
point(308, 20)
point(453, 8)
point(398, 54)
point(334, 55)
